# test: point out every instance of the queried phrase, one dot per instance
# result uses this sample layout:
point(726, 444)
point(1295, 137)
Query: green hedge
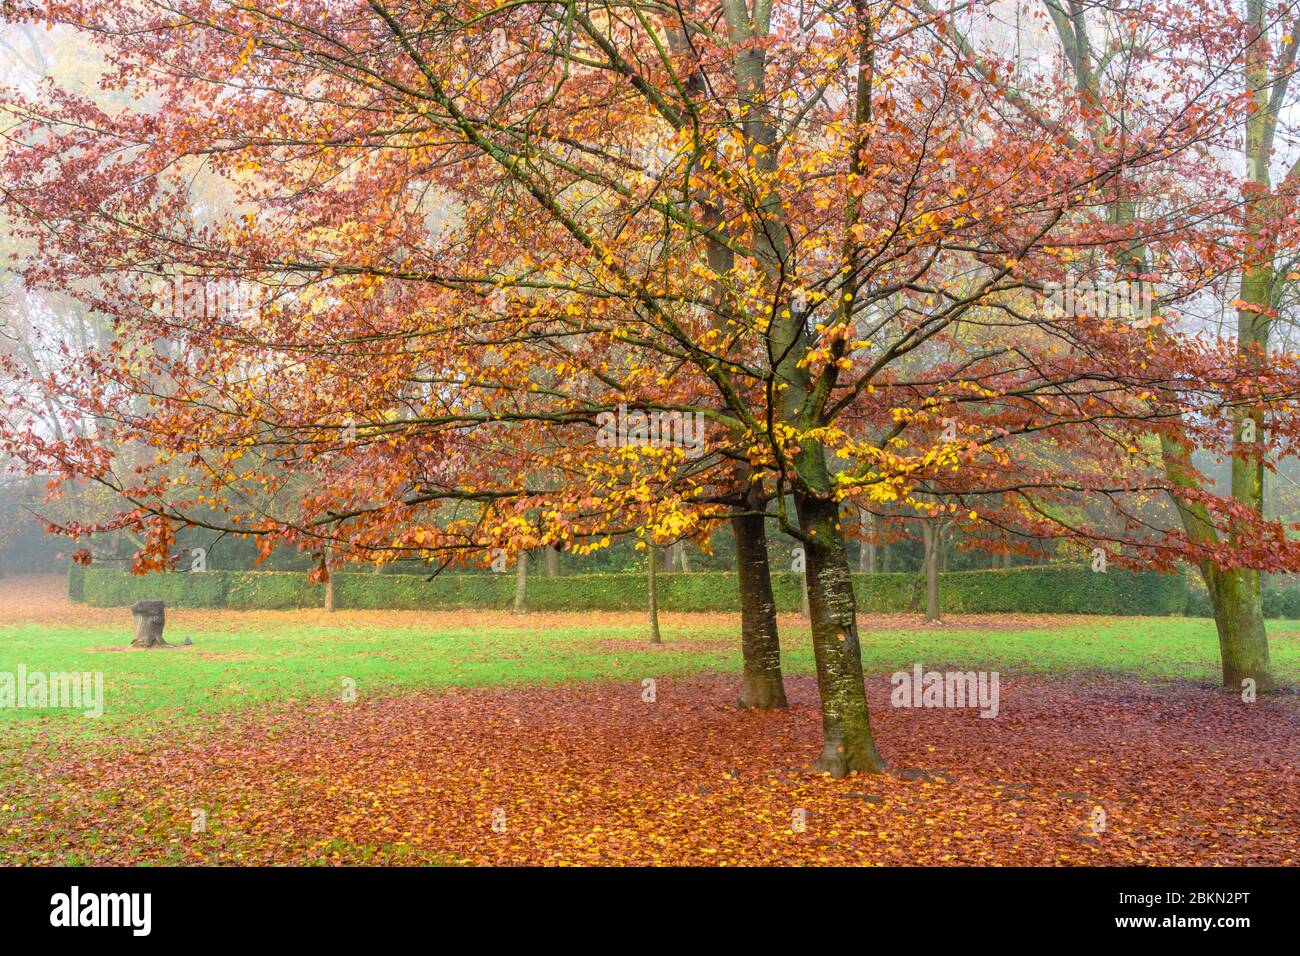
point(108, 587)
point(269, 590)
point(1063, 590)
point(380, 592)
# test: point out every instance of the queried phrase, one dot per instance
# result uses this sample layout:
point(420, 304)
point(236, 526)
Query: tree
point(1235, 591)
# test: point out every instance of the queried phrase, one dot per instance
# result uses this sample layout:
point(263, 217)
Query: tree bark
point(848, 745)
point(867, 550)
point(552, 563)
point(761, 685)
point(930, 535)
point(521, 583)
point(652, 559)
point(1239, 619)
point(150, 619)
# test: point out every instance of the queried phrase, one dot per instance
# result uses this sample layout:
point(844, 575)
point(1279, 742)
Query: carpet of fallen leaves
point(592, 774)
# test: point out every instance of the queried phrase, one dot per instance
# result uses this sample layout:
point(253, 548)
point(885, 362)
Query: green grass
point(284, 660)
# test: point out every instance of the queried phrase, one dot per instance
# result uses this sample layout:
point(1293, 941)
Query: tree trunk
point(761, 685)
point(1239, 607)
point(327, 578)
point(652, 559)
point(552, 563)
point(804, 609)
point(521, 583)
point(930, 535)
point(150, 620)
point(1239, 619)
point(846, 725)
point(867, 550)
point(683, 558)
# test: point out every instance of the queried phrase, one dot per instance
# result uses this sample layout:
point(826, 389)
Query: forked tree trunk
point(761, 685)
point(846, 726)
point(521, 583)
point(652, 559)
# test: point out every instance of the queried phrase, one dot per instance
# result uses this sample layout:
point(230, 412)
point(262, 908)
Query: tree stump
point(149, 622)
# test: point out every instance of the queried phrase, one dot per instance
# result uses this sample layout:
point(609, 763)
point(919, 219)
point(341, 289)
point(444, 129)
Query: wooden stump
point(149, 622)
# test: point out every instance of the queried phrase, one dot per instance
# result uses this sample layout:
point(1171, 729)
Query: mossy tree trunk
point(1239, 619)
point(847, 740)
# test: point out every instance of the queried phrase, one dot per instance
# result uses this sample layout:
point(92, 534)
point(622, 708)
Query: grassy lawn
point(247, 671)
point(276, 658)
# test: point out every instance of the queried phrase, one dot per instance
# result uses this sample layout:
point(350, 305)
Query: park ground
point(303, 737)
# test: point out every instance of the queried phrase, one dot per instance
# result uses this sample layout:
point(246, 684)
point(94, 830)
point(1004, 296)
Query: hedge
point(270, 590)
point(1063, 590)
point(108, 587)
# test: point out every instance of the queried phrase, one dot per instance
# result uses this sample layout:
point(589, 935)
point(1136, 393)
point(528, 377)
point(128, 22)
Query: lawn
point(260, 659)
point(461, 716)
point(243, 660)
